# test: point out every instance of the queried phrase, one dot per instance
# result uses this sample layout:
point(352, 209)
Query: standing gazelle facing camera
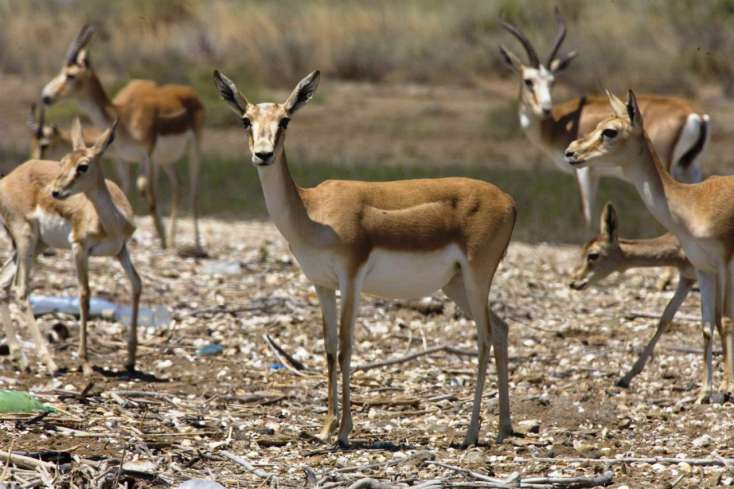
point(66, 205)
point(401, 239)
point(700, 215)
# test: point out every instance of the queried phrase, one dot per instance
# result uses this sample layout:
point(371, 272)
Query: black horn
point(532, 55)
point(81, 40)
point(559, 39)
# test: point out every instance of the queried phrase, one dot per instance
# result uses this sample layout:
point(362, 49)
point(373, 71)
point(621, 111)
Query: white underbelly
point(409, 275)
point(55, 231)
point(319, 267)
point(170, 148)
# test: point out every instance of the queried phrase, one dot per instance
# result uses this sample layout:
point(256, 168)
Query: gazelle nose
point(56, 194)
point(569, 154)
point(546, 111)
point(46, 99)
point(264, 155)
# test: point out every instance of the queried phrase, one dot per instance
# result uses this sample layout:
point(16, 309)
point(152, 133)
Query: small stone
point(528, 426)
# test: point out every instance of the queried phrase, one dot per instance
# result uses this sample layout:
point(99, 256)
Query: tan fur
point(146, 112)
point(700, 215)
point(340, 230)
point(39, 200)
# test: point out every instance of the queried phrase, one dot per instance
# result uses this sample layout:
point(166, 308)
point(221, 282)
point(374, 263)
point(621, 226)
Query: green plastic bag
point(21, 402)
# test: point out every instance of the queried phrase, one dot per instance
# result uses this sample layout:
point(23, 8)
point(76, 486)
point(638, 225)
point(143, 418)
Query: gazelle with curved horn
point(398, 239)
point(157, 123)
point(678, 132)
point(66, 205)
point(700, 215)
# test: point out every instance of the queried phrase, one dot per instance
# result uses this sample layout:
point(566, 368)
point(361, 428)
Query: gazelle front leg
point(6, 281)
point(327, 300)
point(175, 179)
point(708, 284)
point(194, 164)
point(350, 291)
point(727, 329)
point(681, 292)
point(81, 260)
point(136, 286)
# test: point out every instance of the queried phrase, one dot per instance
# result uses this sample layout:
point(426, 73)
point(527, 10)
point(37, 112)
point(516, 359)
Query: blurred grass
point(547, 200)
point(686, 42)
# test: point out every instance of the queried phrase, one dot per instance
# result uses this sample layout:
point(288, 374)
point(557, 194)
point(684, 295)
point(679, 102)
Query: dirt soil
point(566, 351)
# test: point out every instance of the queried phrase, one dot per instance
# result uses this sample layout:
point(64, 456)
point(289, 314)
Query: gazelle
point(700, 215)
point(157, 123)
point(66, 205)
point(678, 132)
point(50, 142)
point(398, 239)
point(608, 253)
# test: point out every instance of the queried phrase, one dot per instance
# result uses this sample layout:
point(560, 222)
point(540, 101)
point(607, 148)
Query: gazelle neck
point(96, 104)
point(284, 203)
point(112, 220)
point(653, 182)
point(661, 251)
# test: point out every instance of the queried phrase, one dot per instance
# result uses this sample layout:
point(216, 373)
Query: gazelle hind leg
point(194, 164)
point(681, 292)
point(136, 288)
point(727, 330)
point(7, 274)
point(709, 290)
point(26, 247)
point(148, 186)
point(175, 180)
point(327, 301)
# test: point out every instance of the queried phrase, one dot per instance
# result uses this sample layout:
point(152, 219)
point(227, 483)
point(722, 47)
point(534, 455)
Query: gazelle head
point(76, 72)
point(266, 123)
point(43, 136)
point(80, 170)
point(618, 138)
point(537, 78)
point(601, 256)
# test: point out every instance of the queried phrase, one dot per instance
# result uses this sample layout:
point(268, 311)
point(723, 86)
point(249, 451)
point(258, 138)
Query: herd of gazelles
point(399, 239)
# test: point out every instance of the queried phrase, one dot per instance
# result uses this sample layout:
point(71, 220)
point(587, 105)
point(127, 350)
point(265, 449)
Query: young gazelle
point(678, 132)
point(66, 205)
point(157, 123)
point(397, 239)
point(608, 253)
point(700, 215)
point(49, 141)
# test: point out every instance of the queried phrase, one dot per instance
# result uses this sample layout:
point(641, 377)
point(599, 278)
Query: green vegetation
point(547, 200)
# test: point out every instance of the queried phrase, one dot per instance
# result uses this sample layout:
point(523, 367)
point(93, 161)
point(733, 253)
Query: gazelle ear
point(229, 93)
point(77, 138)
point(619, 108)
point(633, 110)
point(510, 59)
point(107, 138)
point(609, 224)
point(303, 92)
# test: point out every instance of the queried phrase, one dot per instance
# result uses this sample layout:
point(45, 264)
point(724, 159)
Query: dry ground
point(566, 351)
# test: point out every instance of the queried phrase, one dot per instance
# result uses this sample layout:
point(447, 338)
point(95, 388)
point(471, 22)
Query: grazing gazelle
point(400, 239)
point(157, 123)
point(608, 253)
point(678, 132)
point(66, 205)
point(700, 215)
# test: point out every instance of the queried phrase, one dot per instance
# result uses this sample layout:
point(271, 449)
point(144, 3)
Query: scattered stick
point(719, 461)
point(412, 356)
point(418, 457)
point(25, 462)
point(292, 361)
point(653, 315)
point(248, 466)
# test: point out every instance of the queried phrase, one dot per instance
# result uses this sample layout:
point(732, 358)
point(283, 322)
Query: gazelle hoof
point(623, 382)
point(331, 423)
point(87, 369)
point(704, 397)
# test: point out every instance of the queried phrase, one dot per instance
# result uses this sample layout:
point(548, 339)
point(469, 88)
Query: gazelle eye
point(69, 76)
point(246, 123)
point(82, 169)
point(528, 83)
point(609, 133)
point(591, 257)
point(284, 122)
